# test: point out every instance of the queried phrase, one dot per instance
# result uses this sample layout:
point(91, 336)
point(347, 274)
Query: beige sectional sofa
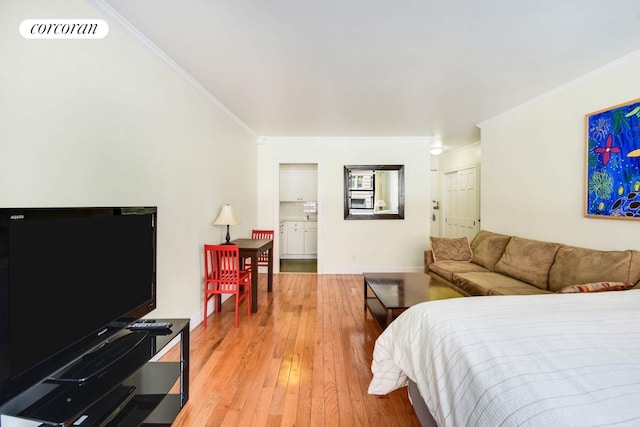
point(498, 264)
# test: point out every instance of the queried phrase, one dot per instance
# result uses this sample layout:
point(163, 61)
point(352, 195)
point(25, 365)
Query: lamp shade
point(380, 203)
point(227, 216)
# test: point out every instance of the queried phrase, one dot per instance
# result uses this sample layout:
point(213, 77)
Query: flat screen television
point(69, 279)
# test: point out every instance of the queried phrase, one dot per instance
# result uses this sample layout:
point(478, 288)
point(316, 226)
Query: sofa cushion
point(596, 287)
point(634, 269)
point(574, 266)
point(528, 260)
point(451, 249)
point(488, 247)
point(491, 283)
point(447, 268)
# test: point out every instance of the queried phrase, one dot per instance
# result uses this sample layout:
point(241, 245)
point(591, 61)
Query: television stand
point(92, 364)
point(132, 391)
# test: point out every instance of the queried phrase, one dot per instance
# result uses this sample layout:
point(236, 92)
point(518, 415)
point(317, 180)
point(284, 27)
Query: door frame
point(276, 207)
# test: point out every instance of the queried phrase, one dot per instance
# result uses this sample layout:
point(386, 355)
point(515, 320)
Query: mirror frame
point(399, 168)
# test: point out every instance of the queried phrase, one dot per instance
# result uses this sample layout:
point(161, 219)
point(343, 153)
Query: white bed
point(539, 360)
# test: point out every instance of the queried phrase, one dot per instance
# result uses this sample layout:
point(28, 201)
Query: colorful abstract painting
point(613, 162)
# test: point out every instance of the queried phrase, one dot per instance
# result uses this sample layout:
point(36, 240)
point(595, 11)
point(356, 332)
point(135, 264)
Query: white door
point(461, 204)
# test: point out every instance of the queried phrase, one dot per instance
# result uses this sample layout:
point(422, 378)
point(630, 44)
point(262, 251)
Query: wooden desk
point(253, 248)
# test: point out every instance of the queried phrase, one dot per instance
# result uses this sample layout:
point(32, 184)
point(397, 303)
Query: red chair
point(222, 275)
point(263, 259)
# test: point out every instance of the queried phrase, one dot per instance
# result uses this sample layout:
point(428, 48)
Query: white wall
point(468, 155)
point(105, 123)
point(354, 246)
point(533, 163)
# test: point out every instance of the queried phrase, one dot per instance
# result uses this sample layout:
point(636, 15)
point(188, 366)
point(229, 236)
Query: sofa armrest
point(428, 259)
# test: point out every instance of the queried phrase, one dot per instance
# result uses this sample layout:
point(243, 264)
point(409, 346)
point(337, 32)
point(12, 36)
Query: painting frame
point(612, 171)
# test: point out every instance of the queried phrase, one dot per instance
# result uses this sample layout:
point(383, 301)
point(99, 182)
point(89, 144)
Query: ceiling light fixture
point(436, 147)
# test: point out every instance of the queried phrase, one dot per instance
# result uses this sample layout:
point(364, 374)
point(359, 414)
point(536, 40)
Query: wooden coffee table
point(389, 294)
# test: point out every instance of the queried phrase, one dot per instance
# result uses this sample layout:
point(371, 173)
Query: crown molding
point(363, 139)
point(582, 79)
point(111, 13)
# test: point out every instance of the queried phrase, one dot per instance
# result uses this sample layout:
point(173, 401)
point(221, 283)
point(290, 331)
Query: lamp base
point(228, 237)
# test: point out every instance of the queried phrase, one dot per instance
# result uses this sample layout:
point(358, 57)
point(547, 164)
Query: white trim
point(460, 168)
point(461, 148)
point(128, 27)
point(418, 139)
point(584, 78)
point(276, 214)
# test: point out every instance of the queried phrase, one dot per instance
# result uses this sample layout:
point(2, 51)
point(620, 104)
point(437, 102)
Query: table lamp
point(227, 217)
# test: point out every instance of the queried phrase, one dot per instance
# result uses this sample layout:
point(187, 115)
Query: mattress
point(535, 360)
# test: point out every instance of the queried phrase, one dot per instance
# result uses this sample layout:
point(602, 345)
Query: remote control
point(146, 325)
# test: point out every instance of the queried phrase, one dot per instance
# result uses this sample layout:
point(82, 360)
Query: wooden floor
point(302, 360)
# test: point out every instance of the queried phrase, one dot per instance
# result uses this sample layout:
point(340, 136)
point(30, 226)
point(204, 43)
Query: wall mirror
point(374, 192)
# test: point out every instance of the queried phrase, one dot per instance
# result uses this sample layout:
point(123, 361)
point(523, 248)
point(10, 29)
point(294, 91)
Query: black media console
point(131, 391)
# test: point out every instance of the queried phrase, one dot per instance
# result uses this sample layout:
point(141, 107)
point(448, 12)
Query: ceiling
point(380, 67)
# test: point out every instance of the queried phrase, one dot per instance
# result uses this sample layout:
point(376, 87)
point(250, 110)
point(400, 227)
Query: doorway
point(298, 217)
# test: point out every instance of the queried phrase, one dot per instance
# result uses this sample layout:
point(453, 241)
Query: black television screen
point(67, 275)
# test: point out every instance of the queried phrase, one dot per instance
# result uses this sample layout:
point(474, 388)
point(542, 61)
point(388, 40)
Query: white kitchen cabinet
point(309, 184)
point(283, 239)
point(295, 238)
point(289, 185)
point(300, 239)
point(311, 238)
point(298, 184)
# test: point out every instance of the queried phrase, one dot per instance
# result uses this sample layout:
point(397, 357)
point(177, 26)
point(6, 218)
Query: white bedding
point(538, 360)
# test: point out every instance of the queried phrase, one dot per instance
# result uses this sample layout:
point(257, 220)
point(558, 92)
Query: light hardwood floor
point(302, 360)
